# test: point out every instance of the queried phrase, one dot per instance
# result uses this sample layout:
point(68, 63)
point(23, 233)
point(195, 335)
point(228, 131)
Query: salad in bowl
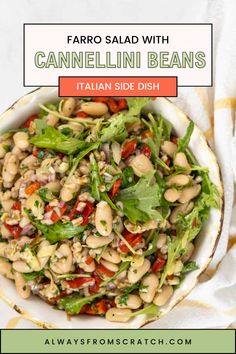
point(101, 204)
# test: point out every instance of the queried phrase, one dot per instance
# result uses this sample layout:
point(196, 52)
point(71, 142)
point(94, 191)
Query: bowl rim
point(47, 325)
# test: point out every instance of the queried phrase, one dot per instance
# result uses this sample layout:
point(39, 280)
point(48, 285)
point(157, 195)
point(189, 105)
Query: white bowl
point(47, 317)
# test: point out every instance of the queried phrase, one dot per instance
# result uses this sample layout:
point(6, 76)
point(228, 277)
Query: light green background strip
point(123, 341)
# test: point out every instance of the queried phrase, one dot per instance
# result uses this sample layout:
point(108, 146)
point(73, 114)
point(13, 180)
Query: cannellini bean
point(21, 267)
point(103, 218)
point(181, 160)
point(171, 195)
point(137, 261)
point(150, 283)
point(22, 287)
point(178, 266)
point(189, 193)
point(169, 148)
point(36, 205)
point(111, 255)
point(3, 246)
point(118, 315)
point(21, 140)
point(64, 264)
point(88, 267)
point(111, 266)
point(96, 242)
point(135, 274)
point(7, 205)
point(173, 281)
point(133, 302)
point(66, 194)
point(161, 298)
point(52, 119)
point(5, 268)
point(30, 161)
point(68, 106)
point(54, 186)
point(94, 109)
point(161, 241)
point(5, 232)
point(178, 180)
point(188, 253)
point(10, 167)
point(141, 165)
point(183, 209)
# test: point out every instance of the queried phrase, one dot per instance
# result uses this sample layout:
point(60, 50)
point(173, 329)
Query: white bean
point(52, 119)
point(161, 298)
point(22, 287)
point(169, 148)
point(7, 205)
point(189, 193)
point(88, 267)
point(30, 161)
point(178, 180)
point(3, 246)
point(188, 253)
point(183, 209)
point(111, 266)
point(103, 218)
point(36, 205)
point(63, 265)
point(21, 140)
point(178, 266)
point(132, 302)
point(150, 283)
point(111, 255)
point(135, 274)
point(118, 315)
point(141, 165)
point(5, 268)
point(68, 106)
point(97, 242)
point(5, 232)
point(94, 109)
point(181, 160)
point(171, 195)
point(161, 241)
point(54, 186)
point(21, 267)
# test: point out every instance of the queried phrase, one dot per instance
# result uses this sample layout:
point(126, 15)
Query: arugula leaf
point(9, 133)
point(72, 304)
point(95, 178)
point(40, 125)
point(122, 267)
point(46, 194)
point(127, 177)
point(50, 106)
point(189, 267)
point(157, 160)
point(150, 310)
point(57, 232)
point(33, 275)
point(152, 246)
point(51, 138)
point(135, 104)
point(184, 141)
point(140, 200)
point(81, 155)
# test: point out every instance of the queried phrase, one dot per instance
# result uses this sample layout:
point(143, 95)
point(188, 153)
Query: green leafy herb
point(40, 125)
point(72, 304)
point(33, 275)
point(152, 246)
point(150, 310)
point(95, 178)
point(51, 138)
point(46, 194)
point(140, 200)
point(50, 106)
point(127, 177)
point(189, 267)
point(122, 267)
point(184, 142)
point(81, 155)
point(57, 232)
point(9, 133)
point(135, 104)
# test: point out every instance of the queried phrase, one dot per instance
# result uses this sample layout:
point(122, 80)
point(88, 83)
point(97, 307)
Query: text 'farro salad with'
point(100, 206)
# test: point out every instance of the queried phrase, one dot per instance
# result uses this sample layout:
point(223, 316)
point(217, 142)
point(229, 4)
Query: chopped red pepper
point(95, 288)
point(81, 114)
point(15, 230)
point(145, 150)
point(88, 260)
point(55, 217)
point(174, 140)
point(132, 239)
point(128, 148)
point(58, 297)
point(98, 308)
point(147, 134)
point(78, 282)
point(100, 99)
point(113, 105)
point(101, 270)
point(16, 205)
point(88, 210)
point(122, 104)
point(29, 120)
point(33, 187)
point(60, 154)
point(115, 188)
point(158, 264)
